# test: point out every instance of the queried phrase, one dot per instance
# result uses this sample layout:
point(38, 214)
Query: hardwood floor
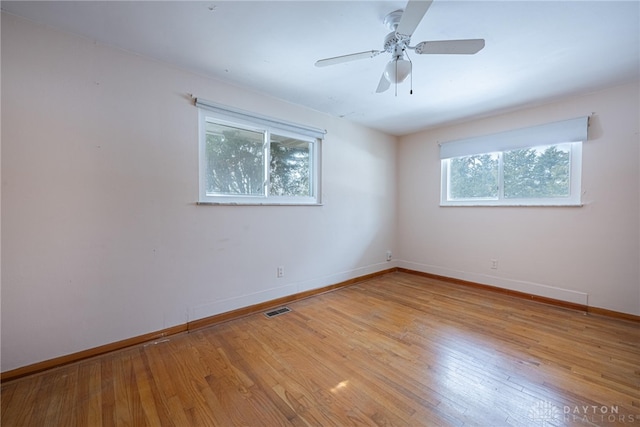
point(396, 350)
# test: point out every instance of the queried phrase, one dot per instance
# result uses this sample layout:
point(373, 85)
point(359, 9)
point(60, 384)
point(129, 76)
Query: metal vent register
point(277, 311)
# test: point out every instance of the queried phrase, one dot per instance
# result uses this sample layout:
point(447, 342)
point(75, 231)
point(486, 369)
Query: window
point(250, 159)
point(539, 166)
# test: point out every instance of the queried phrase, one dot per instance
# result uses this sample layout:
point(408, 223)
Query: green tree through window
point(537, 172)
point(235, 163)
point(474, 177)
point(289, 168)
point(540, 175)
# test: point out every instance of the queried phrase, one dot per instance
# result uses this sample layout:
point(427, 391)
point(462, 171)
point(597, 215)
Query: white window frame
point(216, 113)
point(570, 132)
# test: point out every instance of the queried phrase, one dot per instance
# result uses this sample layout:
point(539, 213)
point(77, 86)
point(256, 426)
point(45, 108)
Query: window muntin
point(246, 163)
point(545, 175)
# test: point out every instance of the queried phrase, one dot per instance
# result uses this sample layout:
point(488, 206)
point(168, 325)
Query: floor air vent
point(277, 311)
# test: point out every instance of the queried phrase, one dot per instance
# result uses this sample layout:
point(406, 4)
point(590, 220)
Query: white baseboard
point(538, 289)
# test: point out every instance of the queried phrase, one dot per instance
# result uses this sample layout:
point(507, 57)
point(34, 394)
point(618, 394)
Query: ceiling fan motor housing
point(392, 43)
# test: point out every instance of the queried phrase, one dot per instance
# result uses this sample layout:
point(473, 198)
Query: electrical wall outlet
point(494, 264)
point(280, 271)
point(388, 255)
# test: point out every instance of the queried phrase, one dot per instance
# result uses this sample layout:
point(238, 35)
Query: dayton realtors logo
point(545, 412)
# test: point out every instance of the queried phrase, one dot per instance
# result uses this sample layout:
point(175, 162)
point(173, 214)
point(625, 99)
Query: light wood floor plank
point(399, 349)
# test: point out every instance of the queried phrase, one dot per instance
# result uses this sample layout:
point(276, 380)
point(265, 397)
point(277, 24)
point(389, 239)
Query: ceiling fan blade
point(347, 58)
point(411, 17)
point(383, 85)
point(461, 47)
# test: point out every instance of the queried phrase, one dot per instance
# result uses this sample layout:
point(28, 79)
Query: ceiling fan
point(402, 25)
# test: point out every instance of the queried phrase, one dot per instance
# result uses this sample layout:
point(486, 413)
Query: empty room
point(320, 213)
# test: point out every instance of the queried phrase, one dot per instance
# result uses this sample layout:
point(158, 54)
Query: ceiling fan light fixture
point(397, 70)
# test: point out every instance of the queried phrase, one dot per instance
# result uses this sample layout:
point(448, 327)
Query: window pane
point(539, 172)
point(290, 167)
point(473, 177)
point(234, 161)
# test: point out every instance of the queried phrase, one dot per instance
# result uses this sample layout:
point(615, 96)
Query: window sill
point(511, 205)
point(255, 204)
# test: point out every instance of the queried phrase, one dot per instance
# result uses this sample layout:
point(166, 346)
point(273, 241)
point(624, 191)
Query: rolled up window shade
point(259, 119)
point(573, 130)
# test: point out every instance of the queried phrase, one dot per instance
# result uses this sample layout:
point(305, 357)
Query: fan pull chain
point(410, 74)
point(411, 81)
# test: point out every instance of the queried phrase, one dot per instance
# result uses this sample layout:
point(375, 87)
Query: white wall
point(101, 236)
point(589, 255)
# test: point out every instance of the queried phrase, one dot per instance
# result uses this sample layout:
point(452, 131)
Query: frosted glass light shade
point(397, 70)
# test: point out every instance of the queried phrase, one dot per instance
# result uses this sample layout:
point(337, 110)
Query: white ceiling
point(535, 51)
